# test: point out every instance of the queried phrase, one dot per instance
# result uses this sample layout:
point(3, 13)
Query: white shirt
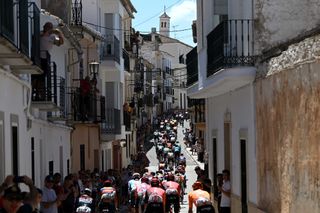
point(49, 195)
point(46, 44)
point(225, 200)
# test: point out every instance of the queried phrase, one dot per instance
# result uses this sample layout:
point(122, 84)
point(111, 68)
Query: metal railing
point(110, 49)
point(20, 25)
point(230, 44)
point(192, 67)
point(44, 87)
point(112, 124)
point(76, 18)
point(87, 107)
point(126, 60)
point(127, 120)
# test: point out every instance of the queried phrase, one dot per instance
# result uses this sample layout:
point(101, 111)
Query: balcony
point(87, 108)
point(230, 45)
point(126, 60)
point(20, 36)
point(110, 49)
point(127, 120)
point(76, 18)
point(192, 67)
point(168, 90)
point(112, 124)
point(45, 91)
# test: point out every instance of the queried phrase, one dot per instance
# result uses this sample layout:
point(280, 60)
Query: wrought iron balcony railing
point(127, 120)
point(126, 60)
point(192, 67)
point(230, 44)
point(20, 25)
point(110, 49)
point(112, 124)
point(45, 86)
point(87, 107)
point(76, 18)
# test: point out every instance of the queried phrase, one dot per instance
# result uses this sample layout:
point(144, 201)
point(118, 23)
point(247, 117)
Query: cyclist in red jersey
point(173, 191)
point(155, 197)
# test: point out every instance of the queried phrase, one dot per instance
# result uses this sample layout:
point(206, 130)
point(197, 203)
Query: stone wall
point(276, 21)
point(288, 131)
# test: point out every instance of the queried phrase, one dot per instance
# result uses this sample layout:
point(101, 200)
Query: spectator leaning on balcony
point(48, 38)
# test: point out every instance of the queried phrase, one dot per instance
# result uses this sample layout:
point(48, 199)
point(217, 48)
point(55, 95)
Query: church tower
point(164, 24)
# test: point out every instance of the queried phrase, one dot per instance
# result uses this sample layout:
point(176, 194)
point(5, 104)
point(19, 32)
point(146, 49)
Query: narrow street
point(191, 164)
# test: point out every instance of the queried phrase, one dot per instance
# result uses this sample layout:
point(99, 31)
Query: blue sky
point(182, 12)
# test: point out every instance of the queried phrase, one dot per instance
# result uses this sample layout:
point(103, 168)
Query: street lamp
point(94, 68)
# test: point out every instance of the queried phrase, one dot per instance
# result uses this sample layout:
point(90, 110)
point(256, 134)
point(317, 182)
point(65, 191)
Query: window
point(161, 24)
point(82, 157)
point(243, 162)
point(165, 24)
point(215, 167)
point(96, 158)
point(51, 167)
point(32, 160)
point(102, 160)
point(2, 156)
point(15, 153)
point(68, 166)
point(227, 142)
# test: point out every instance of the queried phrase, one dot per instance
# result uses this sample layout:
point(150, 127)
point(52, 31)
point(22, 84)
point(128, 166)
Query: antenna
point(174, 28)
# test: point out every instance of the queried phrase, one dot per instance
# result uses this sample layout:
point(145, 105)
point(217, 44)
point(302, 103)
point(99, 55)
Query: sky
point(182, 13)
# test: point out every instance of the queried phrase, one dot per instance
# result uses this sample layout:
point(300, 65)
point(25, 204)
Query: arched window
point(161, 24)
point(165, 24)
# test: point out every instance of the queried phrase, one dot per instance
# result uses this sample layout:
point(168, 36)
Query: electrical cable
point(114, 29)
point(146, 20)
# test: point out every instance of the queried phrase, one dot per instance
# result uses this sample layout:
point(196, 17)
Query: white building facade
point(226, 74)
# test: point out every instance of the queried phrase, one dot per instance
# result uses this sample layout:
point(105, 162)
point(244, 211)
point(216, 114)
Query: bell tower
point(164, 24)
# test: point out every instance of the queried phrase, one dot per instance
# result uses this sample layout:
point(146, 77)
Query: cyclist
point(85, 202)
point(200, 198)
point(180, 178)
point(155, 197)
point(133, 185)
point(108, 200)
point(141, 191)
point(177, 151)
point(182, 160)
point(173, 191)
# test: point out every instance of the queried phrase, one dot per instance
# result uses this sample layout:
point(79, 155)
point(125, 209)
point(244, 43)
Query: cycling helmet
point(107, 183)
point(136, 176)
point(144, 180)
point(155, 182)
point(197, 185)
point(170, 177)
point(87, 191)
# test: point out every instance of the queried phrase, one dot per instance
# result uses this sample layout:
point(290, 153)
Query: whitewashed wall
point(48, 139)
point(14, 100)
point(241, 105)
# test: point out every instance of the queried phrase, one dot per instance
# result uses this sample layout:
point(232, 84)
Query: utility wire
point(115, 29)
point(152, 17)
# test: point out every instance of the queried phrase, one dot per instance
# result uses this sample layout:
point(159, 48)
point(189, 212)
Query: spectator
point(12, 199)
point(219, 185)
point(85, 97)
point(69, 196)
point(225, 192)
point(49, 203)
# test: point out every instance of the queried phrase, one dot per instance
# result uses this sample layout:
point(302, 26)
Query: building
point(252, 72)
point(35, 141)
point(168, 55)
point(113, 130)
